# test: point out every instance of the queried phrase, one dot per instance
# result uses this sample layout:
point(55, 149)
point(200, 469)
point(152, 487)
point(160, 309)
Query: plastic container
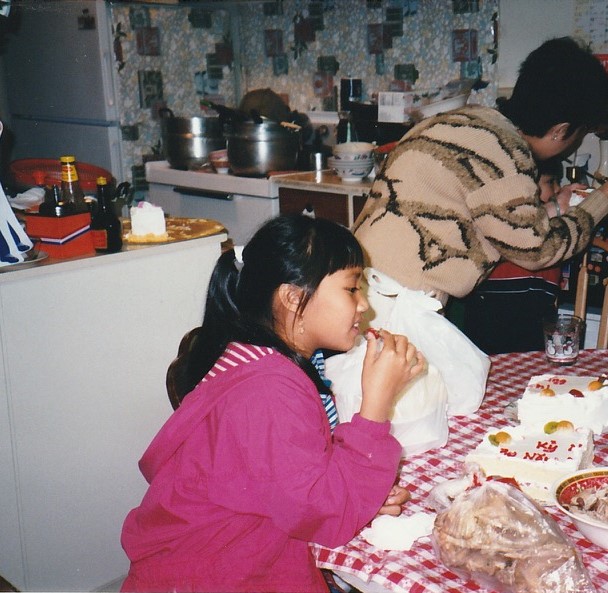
point(30, 172)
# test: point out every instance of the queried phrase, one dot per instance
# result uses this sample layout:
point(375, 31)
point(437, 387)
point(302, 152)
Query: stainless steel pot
point(258, 147)
point(187, 141)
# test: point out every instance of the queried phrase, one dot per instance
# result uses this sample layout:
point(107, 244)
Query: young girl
point(246, 472)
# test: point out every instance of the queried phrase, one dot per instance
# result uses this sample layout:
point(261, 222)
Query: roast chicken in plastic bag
point(495, 535)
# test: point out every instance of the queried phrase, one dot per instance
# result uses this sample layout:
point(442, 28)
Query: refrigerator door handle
point(204, 193)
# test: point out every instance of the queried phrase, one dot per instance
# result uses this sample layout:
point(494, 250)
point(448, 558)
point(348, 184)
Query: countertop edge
point(160, 172)
point(324, 181)
point(56, 265)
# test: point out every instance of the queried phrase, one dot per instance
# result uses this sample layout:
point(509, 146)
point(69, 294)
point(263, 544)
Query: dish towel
point(14, 242)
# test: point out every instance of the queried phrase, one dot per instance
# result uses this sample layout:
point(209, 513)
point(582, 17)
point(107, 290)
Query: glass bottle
point(345, 131)
point(71, 190)
point(105, 224)
point(53, 204)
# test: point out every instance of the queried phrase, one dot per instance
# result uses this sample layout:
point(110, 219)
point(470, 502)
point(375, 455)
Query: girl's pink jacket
point(244, 474)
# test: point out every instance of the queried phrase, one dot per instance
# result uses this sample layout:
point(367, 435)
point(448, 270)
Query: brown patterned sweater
point(457, 195)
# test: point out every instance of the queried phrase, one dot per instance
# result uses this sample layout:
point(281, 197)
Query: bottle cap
point(102, 181)
point(67, 159)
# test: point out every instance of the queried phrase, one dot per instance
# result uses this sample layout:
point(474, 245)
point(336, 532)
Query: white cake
point(582, 400)
point(534, 459)
point(148, 221)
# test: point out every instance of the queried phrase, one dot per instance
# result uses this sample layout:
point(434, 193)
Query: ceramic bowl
point(351, 171)
point(353, 150)
point(219, 160)
point(567, 487)
point(354, 158)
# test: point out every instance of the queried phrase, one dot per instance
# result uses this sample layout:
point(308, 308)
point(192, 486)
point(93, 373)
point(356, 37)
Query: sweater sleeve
point(507, 214)
point(275, 458)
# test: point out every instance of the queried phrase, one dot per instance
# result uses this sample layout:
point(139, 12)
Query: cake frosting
point(534, 458)
point(581, 400)
point(148, 220)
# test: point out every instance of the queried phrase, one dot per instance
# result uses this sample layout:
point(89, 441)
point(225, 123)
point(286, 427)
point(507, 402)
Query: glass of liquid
point(562, 338)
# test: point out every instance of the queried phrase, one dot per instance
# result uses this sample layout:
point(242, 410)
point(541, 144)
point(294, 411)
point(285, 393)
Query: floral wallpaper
point(175, 56)
point(426, 42)
point(165, 65)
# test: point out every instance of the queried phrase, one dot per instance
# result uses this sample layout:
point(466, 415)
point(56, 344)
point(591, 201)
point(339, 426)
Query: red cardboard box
point(61, 237)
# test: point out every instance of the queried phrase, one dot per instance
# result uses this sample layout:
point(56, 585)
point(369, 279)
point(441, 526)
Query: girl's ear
point(289, 296)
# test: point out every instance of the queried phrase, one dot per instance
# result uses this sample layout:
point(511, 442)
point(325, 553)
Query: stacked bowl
point(352, 161)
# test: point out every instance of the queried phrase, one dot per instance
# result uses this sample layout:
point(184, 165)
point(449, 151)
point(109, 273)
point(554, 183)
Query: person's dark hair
point(290, 249)
point(561, 81)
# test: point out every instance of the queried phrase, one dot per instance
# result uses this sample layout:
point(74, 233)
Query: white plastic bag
point(463, 367)
point(419, 420)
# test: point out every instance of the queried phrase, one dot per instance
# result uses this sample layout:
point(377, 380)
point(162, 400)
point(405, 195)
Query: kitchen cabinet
point(85, 346)
point(338, 207)
point(329, 196)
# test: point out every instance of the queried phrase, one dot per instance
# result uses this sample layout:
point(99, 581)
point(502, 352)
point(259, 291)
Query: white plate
point(28, 263)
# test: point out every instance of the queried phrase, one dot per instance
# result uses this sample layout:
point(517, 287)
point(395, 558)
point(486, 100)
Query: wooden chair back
point(580, 303)
point(176, 380)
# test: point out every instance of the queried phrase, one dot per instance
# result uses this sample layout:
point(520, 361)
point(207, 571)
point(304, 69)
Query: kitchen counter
point(242, 204)
point(161, 172)
point(85, 345)
point(323, 181)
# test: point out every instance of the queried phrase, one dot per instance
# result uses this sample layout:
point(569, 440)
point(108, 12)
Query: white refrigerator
point(69, 107)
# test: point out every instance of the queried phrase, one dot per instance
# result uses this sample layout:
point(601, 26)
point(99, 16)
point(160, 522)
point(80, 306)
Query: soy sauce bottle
point(105, 224)
point(71, 189)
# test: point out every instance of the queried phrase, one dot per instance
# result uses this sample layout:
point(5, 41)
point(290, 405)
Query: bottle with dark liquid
point(53, 204)
point(71, 190)
point(105, 224)
point(345, 130)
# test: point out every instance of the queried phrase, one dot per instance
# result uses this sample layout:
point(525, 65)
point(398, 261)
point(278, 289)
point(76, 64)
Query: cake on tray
point(534, 458)
point(581, 400)
point(147, 223)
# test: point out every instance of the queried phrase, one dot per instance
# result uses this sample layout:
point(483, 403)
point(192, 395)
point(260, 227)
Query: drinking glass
point(562, 338)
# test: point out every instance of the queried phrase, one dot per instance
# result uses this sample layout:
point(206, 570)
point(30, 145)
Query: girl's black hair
point(289, 249)
point(560, 81)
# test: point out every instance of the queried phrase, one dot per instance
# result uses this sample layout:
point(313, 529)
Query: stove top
point(161, 172)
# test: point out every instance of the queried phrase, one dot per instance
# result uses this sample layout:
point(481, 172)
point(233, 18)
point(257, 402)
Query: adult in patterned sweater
point(459, 192)
point(505, 312)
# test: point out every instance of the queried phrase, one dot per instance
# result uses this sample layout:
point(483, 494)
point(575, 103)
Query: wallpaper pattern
point(169, 64)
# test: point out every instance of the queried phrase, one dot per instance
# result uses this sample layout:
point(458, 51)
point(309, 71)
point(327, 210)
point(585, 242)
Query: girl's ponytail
point(219, 323)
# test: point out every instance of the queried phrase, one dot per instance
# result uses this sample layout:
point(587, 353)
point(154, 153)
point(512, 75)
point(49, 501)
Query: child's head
point(550, 173)
point(296, 250)
point(290, 250)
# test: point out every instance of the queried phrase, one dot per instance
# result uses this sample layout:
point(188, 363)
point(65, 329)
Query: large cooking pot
point(259, 146)
point(187, 141)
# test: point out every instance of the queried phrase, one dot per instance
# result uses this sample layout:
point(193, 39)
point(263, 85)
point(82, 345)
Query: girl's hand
point(386, 372)
point(397, 497)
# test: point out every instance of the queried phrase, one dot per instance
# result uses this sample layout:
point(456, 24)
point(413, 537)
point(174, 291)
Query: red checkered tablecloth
point(418, 570)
